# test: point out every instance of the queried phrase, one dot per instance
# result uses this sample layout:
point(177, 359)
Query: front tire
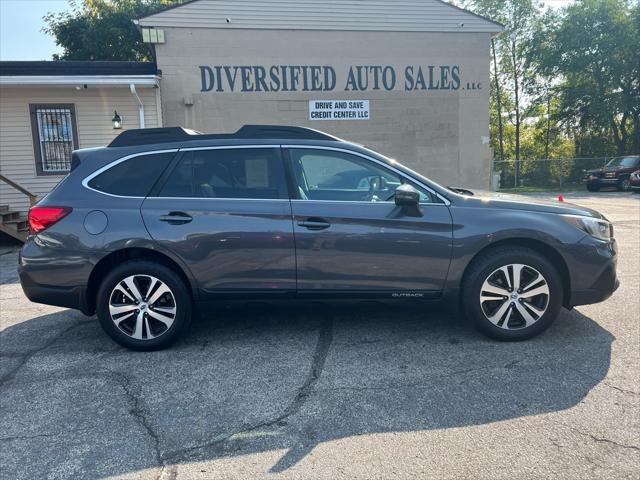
point(143, 305)
point(512, 293)
point(593, 188)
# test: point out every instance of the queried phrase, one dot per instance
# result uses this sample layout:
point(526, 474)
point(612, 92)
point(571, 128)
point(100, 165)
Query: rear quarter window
point(133, 177)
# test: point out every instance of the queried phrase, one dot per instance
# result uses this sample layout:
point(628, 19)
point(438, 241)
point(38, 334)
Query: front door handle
point(176, 218)
point(314, 223)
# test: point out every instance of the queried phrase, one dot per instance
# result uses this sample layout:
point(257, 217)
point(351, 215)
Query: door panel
point(228, 245)
point(371, 246)
point(225, 212)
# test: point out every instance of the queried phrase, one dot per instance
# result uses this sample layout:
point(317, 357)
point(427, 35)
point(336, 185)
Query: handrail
point(32, 196)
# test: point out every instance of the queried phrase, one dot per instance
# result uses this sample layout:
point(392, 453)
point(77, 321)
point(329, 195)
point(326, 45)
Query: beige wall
point(94, 109)
point(441, 134)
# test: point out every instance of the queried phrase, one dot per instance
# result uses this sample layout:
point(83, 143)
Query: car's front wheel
point(593, 188)
point(512, 293)
point(143, 305)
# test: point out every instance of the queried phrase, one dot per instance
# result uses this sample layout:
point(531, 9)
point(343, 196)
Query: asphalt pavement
point(327, 390)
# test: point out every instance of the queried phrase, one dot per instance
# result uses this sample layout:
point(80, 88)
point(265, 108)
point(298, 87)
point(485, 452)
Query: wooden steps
point(13, 223)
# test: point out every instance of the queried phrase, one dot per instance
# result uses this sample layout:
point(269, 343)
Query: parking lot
point(327, 390)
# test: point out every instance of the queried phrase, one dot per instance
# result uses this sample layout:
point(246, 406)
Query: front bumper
point(593, 272)
point(601, 182)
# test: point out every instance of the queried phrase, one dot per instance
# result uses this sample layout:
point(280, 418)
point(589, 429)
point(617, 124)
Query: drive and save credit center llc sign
point(339, 110)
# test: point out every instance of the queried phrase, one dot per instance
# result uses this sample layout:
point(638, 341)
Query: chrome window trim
point(86, 180)
point(360, 202)
point(222, 198)
point(445, 201)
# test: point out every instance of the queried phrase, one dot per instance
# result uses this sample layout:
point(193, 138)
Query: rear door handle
point(314, 223)
point(176, 218)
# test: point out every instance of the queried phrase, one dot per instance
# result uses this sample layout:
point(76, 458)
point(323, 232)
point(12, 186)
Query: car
point(616, 173)
point(634, 181)
point(165, 222)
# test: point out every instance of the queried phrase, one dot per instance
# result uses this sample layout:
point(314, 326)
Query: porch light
point(117, 121)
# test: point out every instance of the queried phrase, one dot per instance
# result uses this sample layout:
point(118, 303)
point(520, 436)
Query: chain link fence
point(553, 175)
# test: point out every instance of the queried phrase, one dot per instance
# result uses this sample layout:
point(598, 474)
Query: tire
point(623, 185)
point(143, 326)
point(593, 188)
point(486, 272)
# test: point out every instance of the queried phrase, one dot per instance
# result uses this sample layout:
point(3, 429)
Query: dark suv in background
point(616, 173)
point(165, 220)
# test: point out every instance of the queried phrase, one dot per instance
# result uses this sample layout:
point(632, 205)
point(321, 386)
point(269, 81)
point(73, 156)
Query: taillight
point(41, 218)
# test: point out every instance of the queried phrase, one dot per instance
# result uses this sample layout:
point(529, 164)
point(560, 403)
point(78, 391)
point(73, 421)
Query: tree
point(593, 49)
point(511, 68)
point(103, 29)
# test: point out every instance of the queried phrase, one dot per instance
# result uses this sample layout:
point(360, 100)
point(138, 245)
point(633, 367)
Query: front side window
point(252, 173)
point(133, 177)
point(54, 137)
point(339, 176)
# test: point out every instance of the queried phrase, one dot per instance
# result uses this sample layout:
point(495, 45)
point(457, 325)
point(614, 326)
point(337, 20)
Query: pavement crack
point(604, 382)
point(141, 416)
point(323, 345)
point(599, 439)
point(27, 437)
point(26, 356)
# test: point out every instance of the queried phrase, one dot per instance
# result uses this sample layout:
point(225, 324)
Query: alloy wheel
point(142, 307)
point(514, 296)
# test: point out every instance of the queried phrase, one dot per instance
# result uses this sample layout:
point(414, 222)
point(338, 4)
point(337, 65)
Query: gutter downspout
point(132, 87)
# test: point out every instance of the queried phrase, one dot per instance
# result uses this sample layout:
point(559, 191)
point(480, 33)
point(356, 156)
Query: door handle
point(176, 218)
point(314, 223)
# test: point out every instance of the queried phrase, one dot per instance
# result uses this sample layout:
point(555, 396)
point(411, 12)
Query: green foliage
point(579, 72)
point(594, 49)
point(103, 29)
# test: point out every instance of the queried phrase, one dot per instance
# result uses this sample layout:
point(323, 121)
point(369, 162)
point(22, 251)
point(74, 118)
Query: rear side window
point(255, 173)
point(133, 177)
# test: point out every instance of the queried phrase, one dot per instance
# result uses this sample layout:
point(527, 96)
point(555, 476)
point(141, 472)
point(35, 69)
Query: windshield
point(623, 162)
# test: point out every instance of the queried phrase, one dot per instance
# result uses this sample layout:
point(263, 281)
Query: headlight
point(596, 227)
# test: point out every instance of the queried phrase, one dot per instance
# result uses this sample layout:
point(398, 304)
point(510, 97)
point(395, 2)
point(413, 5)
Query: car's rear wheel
point(512, 294)
point(143, 305)
point(623, 184)
point(593, 188)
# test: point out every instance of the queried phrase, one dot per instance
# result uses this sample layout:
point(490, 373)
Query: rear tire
point(143, 305)
point(623, 185)
point(593, 188)
point(512, 294)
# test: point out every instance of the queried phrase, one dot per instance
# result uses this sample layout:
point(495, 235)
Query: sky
point(21, 23)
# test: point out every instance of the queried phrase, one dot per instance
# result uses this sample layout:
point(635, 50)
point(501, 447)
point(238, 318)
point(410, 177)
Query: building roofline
point(81, 80)
point(165, 9)
point(84, 68)
point(486, 19)
point(172, 7)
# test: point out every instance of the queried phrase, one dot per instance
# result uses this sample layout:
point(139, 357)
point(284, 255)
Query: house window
point(54, 137)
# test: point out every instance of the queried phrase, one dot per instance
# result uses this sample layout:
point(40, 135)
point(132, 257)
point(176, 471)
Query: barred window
point(54, 137)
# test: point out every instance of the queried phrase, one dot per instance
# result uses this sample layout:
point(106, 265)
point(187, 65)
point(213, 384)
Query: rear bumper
point(69, 297)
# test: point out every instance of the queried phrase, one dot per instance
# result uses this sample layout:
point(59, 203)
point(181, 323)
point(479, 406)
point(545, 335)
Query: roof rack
point(145, 136)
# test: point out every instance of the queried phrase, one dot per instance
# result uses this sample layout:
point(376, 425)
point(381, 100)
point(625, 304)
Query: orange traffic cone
point(561, 198)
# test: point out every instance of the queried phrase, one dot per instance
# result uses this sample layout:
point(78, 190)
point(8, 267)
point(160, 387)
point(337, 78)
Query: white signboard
point(339, 110)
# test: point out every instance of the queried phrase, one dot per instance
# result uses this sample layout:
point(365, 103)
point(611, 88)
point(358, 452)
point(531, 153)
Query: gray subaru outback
point(164, 221)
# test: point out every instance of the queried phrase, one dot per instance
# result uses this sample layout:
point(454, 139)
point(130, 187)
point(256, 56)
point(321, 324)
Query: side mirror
point(407, 196)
